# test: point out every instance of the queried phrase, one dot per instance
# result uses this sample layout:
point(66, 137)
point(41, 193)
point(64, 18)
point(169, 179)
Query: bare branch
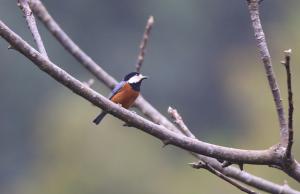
point(184, 129)
point(231, 154)
point(141, 103)
point(24, 6)
point(143, 44)
point(230, 171)
point(286, 63)
point(206, 166)
point(253, 7)
point(41, 12)
point(179, 122)
point(249, 179)
point(291, 167)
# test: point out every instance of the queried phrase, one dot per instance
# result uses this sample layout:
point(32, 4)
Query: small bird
point(124, 93)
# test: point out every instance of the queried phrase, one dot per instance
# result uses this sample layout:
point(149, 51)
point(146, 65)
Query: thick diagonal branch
point(253, 6)
point(29, 17)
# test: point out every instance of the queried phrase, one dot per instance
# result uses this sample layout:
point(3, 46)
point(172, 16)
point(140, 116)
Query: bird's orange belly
point(125, 97)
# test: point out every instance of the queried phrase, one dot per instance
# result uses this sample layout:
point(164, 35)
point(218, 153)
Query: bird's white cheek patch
point(134, 79)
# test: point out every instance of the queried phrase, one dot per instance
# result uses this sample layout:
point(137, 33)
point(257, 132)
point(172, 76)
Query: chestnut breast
point(126, 96)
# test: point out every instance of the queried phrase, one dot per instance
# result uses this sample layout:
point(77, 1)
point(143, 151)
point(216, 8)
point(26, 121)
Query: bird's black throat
point(136, 86)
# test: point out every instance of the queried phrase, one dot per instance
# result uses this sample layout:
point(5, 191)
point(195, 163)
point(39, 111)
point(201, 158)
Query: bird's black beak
point(144, 77)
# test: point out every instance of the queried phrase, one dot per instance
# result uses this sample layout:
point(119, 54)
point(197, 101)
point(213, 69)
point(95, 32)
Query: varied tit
point(124, 93)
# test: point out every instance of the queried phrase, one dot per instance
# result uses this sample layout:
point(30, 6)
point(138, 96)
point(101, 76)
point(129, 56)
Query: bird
point(124, 93)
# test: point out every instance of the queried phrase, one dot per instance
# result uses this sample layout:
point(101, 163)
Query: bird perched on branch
point(124, 93)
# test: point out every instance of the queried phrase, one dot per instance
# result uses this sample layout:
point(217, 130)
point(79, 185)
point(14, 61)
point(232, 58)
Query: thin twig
point(206, 166)
point(29, 17)
point(253, 7)
point(286, 63)
point(143, 44)
point(179, 122)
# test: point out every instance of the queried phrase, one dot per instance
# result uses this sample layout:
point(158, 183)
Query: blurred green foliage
point(201, 58)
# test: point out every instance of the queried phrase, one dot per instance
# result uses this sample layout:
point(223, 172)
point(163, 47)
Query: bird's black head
point(135, 79)
point(130, 75)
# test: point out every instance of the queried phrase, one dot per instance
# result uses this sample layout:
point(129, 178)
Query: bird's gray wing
point(116, 89)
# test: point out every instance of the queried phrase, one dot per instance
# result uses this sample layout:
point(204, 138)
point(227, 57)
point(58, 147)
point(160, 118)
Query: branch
point(24, 6)
point(291, 167)
point(144, 106)
point(248, 178)
point(143, 44)
point(206, 166)
point(266, 157)
point(179, 122)
point(41, 12)
point(184, 129)
point(253, 6)
point(286, 63)
point(230, 171)
point(78, 87)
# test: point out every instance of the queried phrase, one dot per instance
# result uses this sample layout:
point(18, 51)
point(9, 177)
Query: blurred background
point(201, 58)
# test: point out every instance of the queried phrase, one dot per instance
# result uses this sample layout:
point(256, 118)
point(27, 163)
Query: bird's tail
point(99, 118)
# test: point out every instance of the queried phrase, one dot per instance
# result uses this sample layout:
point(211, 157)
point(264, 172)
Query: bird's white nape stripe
point(135, 79)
